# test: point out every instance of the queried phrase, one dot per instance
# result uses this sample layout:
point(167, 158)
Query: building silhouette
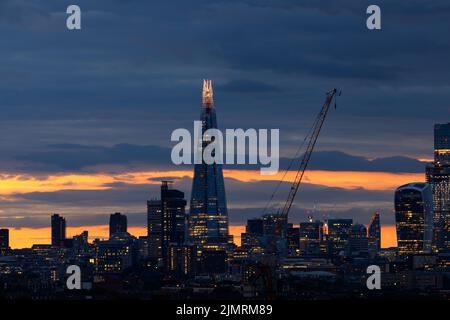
point(414, 218)
point(358, 242)
point(154, 229)
point(438, 176)
point(117, 223)
point(4, 241)
point(374, 234)
point(173, 208)
point(58, 224)
point(166, 222)
point(208, 220)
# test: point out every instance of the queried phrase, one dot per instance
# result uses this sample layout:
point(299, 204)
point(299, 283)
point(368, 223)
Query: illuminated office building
point(438, 176)
point(116, 254)
point(154, 229)
point(338, 234)
point(414, 218)
point(311, 237)
point(166, 222)
point(208, 220)
point(173, 206)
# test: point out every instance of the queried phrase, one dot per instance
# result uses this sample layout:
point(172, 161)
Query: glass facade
point(208, 220)
point(438, 176)
point(414, 218)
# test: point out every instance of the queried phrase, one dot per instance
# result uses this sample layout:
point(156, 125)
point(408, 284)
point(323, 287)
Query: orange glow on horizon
point(26, 237)
point(11, 184)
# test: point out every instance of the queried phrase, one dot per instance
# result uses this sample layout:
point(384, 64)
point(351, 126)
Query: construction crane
point(307, 155)
point(265, 267)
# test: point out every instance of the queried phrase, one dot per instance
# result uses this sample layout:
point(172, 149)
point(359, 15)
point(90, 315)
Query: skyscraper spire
point(208, 100)
point(208, 211)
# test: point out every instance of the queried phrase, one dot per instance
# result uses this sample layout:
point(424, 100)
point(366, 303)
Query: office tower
point(116, 254)
point(208, 220)
point(182, 260)
point(251, 240)
point(438, 176)
point(154, 229)
point(166, 222)
point(414, 218)
point(117, 223)
point(273, 221)
point(358, 242)
point(58, 230)
point(338, 235)
point(173, 206)
point(374, 235)
point(293, 240)
point(4, 241)
point(311, 237)
point(442, 143)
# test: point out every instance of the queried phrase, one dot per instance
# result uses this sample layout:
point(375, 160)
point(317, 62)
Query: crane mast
point(305, 160)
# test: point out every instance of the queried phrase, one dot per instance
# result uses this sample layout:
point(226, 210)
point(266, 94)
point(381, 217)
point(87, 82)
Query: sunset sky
point(86, 117)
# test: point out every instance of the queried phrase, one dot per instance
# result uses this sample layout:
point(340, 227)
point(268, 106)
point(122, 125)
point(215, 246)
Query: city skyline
point(87, 116)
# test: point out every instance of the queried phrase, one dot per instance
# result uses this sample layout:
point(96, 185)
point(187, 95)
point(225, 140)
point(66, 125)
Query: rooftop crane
point(310, 148)
point(264, 270)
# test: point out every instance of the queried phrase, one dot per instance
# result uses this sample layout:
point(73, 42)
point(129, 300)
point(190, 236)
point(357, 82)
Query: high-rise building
point(438, 176)
point(154, 229)
point(414, 218)
point(182, 260)
point(374, 234)
point(173, 207)
point(311, 237)
point(208, 220)
point(4, 241)
point(442, 143)
point(117, 223)
point(338, 234)
point(166, 222)
point(293, 240)
point(58, 230)
point(116, 254)
point(358, 242)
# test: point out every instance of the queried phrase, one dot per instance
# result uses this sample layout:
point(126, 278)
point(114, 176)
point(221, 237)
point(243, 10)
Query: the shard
point(208, 220)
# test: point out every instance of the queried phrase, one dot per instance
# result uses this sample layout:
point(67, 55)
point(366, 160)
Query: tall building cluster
point(189, 253)
point(422, 210)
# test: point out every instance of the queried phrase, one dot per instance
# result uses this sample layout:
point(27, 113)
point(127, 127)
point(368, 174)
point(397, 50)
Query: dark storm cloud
point(247, 86)
point(74, 157)
point(118, 88)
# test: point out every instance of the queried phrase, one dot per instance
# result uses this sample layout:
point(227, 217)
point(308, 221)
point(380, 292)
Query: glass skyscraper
point(414, 218)
point(438, 175)
point(208, 220)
